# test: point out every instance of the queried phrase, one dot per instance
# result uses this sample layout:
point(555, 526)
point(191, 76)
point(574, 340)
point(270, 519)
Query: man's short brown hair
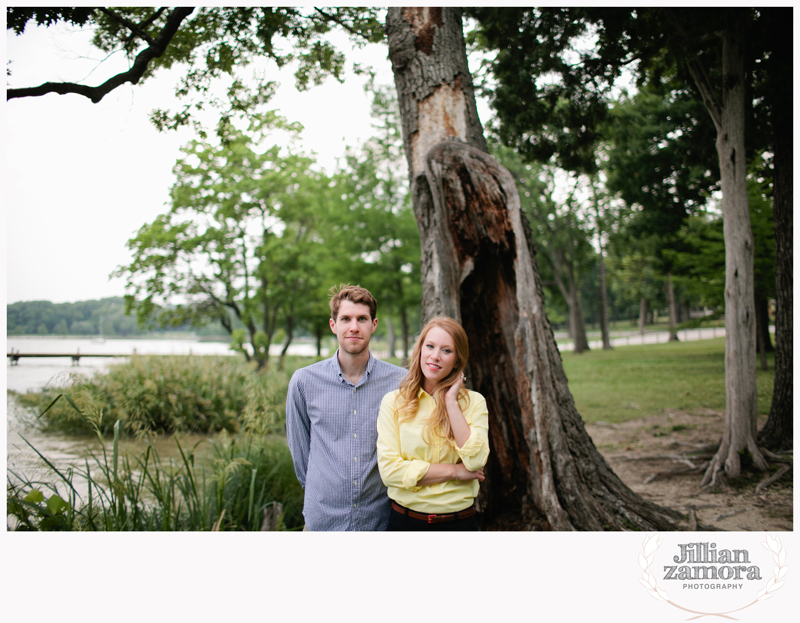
point(354, 294)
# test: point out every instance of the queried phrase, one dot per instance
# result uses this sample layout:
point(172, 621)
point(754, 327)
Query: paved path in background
point(654, 337)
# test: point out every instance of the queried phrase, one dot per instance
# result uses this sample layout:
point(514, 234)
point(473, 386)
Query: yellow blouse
point(404, 456)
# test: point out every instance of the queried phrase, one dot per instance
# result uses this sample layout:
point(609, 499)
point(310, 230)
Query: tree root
point(690, 469)
point(775, 477)
point(738, 511)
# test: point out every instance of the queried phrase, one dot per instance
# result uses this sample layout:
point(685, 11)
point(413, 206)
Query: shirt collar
point(337, 368)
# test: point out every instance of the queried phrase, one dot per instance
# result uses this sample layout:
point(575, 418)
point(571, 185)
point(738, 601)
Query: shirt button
point(355, 458)
point(355, 435)
point(354, 412)
point(355, 482)
point(354, 505)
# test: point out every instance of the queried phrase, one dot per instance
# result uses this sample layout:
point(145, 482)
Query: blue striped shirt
point(331, 427)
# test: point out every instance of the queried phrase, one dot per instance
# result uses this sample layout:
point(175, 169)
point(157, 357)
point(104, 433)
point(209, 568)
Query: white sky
point(82, 178)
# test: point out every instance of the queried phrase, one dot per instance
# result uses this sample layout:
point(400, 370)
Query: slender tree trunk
point(778, 432)
point(604, 331)
point(404, 332)
point(581, 344)
point(318, 334)
point(740, 326)
point(390, 336)
point(673, 323)
point(569, 290)
point(642, 314)
point(762, 330)
point(288, 340)
point(478, 266)
point(762, 324)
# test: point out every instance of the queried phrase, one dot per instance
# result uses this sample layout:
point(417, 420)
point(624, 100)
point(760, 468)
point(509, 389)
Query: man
point(331, 415)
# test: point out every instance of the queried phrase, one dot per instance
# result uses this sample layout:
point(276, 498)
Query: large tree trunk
point(478, 267)
point(740, 319)
point(778, 432)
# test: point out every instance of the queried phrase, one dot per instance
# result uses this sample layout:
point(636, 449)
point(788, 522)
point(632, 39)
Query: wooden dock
point(76, 357)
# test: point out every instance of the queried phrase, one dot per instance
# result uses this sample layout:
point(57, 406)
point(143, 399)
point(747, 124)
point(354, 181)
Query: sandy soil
point(639, 450)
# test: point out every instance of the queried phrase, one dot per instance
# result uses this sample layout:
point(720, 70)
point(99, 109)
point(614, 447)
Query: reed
point(240, 488)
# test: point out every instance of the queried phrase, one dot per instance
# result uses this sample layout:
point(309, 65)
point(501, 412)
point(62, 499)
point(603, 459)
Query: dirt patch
point(639, 450)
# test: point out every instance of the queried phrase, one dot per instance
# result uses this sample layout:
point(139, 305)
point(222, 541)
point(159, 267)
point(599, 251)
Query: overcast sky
point(82, 178)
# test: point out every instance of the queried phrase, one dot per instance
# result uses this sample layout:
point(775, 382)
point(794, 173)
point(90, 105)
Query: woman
point(433, 436)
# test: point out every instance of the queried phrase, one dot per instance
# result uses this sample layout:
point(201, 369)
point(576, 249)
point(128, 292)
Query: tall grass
point(245, 482)
point(166, 394)
point(247, 478)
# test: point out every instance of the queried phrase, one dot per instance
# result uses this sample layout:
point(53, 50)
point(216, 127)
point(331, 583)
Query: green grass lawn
point(635, 381)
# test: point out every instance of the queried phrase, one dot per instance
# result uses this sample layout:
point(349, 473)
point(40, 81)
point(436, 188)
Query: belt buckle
point(432, 519)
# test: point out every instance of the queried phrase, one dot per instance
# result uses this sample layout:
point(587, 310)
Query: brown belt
point(469, 512)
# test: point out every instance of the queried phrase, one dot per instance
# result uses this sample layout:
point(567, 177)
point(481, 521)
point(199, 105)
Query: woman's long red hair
point(407, 401)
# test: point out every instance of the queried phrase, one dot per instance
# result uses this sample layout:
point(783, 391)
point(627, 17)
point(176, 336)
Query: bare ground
point(641, 451)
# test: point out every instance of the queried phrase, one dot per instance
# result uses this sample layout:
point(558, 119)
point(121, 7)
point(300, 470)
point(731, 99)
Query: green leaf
point(34, 497)
point(56, 505)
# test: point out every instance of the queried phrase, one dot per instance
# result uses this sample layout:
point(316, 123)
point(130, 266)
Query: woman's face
point(437, 358)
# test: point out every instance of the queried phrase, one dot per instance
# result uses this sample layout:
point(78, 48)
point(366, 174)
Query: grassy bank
point(635, 381)
point(247, 484)
point(167, 394)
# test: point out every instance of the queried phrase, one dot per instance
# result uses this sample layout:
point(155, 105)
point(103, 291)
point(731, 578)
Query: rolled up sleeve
point(394, 469)
point(298, 428)
point(475, 451)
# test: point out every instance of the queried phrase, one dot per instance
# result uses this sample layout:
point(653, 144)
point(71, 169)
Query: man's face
point(353, 327)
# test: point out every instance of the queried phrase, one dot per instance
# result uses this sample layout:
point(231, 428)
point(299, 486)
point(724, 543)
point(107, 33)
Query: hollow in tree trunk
point(478, 266)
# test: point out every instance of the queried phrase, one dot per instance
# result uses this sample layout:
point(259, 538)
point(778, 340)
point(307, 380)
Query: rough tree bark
point(739, 433)
point(778, 432)
point(740, 319)
point(478, 266)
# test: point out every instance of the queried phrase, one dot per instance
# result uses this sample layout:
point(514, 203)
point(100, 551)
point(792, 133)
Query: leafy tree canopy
point(212, 43)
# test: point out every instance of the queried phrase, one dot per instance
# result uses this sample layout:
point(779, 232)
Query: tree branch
point(133, 75)
point(698, 71)
point(134, 28)
point(341, 23)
